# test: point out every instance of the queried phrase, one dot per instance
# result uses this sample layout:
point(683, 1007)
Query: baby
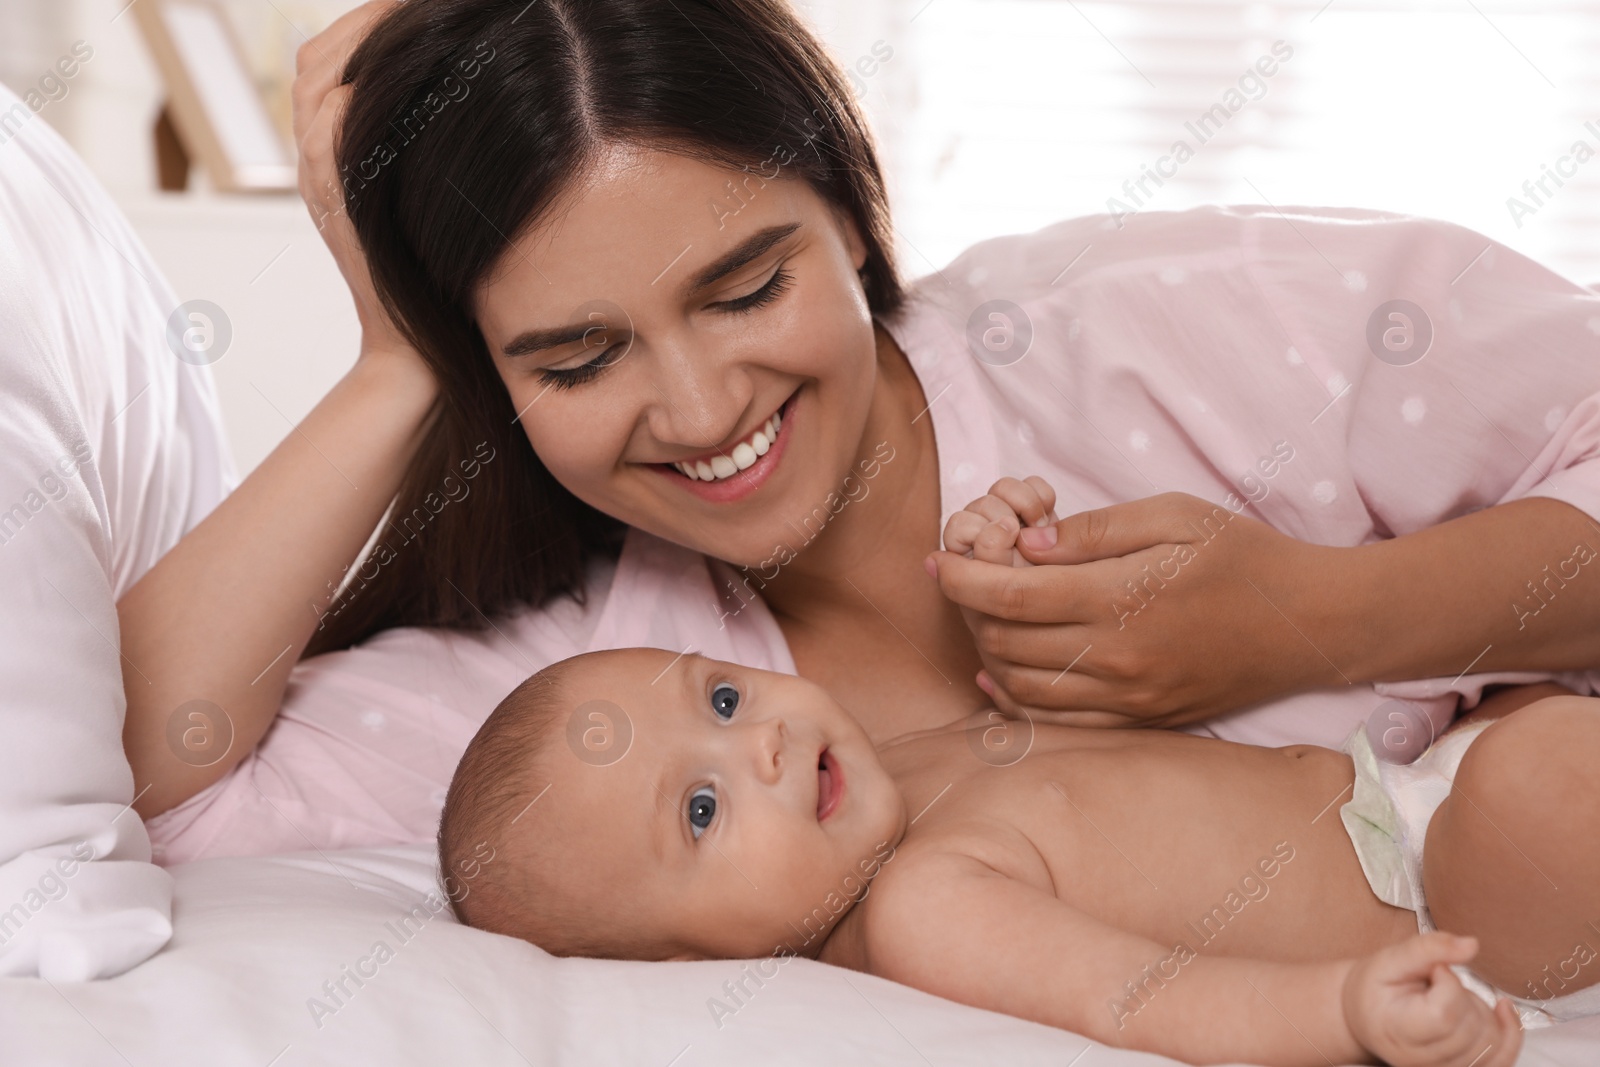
point(1156, 890)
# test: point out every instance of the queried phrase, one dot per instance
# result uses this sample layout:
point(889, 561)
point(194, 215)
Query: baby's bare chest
point(1151, 832)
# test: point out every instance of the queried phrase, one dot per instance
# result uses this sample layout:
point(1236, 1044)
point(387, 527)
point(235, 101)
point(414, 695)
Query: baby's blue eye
point(702, 809)
point(724, 700)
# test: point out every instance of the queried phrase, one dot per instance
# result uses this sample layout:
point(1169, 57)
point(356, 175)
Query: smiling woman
point(560, 187)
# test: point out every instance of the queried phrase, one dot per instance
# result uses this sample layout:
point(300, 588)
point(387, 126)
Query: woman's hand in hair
point(319, 103)
point(287, 538)
point(1156, 612)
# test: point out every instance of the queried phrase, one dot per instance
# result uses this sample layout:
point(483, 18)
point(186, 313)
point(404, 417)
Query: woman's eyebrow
point(751, 248)
point(530, 341)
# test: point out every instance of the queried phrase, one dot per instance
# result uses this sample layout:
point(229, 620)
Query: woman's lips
point(742, 484)
point(830, 784)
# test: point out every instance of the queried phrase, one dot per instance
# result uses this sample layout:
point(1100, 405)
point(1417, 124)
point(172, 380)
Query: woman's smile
point(733, 473)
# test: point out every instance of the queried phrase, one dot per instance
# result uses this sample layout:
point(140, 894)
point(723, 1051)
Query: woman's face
point(658, 319)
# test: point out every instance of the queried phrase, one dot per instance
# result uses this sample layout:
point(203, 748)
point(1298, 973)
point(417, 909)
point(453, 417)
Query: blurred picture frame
point(213, 103)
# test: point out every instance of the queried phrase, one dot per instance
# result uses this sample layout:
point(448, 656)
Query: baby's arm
point(954, 926)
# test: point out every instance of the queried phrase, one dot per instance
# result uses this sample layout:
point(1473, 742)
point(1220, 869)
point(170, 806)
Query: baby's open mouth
point(830, 784)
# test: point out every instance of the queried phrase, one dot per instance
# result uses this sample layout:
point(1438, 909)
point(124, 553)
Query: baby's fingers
point(995, 509)
point(1415, 960)
point(1449, 1008)
point(1460, 1029)
point(1031, 500)
point(962, 530)
point(995, 543)
point(1508, 1037)
point(991, 542)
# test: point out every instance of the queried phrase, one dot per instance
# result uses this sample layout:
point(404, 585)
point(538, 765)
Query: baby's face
point(747, 807)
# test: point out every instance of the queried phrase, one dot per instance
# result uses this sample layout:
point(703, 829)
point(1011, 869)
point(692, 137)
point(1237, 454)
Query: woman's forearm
point(223, 616)
point(1512, 587)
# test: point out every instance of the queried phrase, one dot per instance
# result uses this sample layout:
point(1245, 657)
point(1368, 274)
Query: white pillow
point(110, 448)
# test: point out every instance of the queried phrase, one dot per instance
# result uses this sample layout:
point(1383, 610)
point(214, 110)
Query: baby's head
point(646, 805)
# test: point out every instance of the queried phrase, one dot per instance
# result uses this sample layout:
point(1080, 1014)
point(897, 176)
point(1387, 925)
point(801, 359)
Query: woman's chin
point(760, 558)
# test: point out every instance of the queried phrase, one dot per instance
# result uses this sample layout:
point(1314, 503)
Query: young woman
point(627, 267)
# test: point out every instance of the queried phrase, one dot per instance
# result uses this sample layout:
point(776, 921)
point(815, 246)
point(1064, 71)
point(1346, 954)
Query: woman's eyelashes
point(775, 287)
point(571, 376)
point(568, 377)
point(724, 701)
point(702, 809)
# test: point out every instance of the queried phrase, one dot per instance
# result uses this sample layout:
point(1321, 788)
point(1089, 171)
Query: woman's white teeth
point(744, 455)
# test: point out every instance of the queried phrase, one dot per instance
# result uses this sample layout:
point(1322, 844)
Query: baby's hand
point(1407, 1007)
point(987, 528)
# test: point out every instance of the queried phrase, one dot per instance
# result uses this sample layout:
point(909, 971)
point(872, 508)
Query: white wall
point(261, 261)
point(258, 258)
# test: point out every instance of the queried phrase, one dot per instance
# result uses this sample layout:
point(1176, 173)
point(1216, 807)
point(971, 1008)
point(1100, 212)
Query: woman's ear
point(853, 242)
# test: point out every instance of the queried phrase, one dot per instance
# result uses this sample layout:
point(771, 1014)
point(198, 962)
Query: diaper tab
point(1374, 826)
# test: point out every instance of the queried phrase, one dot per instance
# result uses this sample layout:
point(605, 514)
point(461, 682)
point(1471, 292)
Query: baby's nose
point(771, 741)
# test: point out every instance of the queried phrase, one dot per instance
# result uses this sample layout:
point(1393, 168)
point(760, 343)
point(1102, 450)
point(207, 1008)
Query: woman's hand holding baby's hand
point(1405, 1006)
point(1156, 612)
point(987, 530)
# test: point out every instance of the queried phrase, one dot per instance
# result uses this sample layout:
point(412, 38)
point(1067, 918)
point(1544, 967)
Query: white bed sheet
point(256, 938)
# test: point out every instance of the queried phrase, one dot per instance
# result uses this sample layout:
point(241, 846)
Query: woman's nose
point(699, 396)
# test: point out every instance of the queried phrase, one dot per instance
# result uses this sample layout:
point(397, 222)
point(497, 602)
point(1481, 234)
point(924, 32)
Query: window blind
point(1005, 115)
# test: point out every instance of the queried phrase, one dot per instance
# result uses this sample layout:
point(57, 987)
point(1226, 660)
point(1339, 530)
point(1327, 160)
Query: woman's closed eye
point(775, 287)
point(567, 377)
point(702, 809)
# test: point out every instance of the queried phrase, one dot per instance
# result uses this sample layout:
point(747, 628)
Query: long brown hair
point(468, 119)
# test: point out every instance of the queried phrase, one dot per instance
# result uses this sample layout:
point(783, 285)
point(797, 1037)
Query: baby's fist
point(987, 528)
point(1405, 1006)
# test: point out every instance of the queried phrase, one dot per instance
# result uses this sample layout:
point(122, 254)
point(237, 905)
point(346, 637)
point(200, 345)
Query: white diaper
point(1387, 820)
